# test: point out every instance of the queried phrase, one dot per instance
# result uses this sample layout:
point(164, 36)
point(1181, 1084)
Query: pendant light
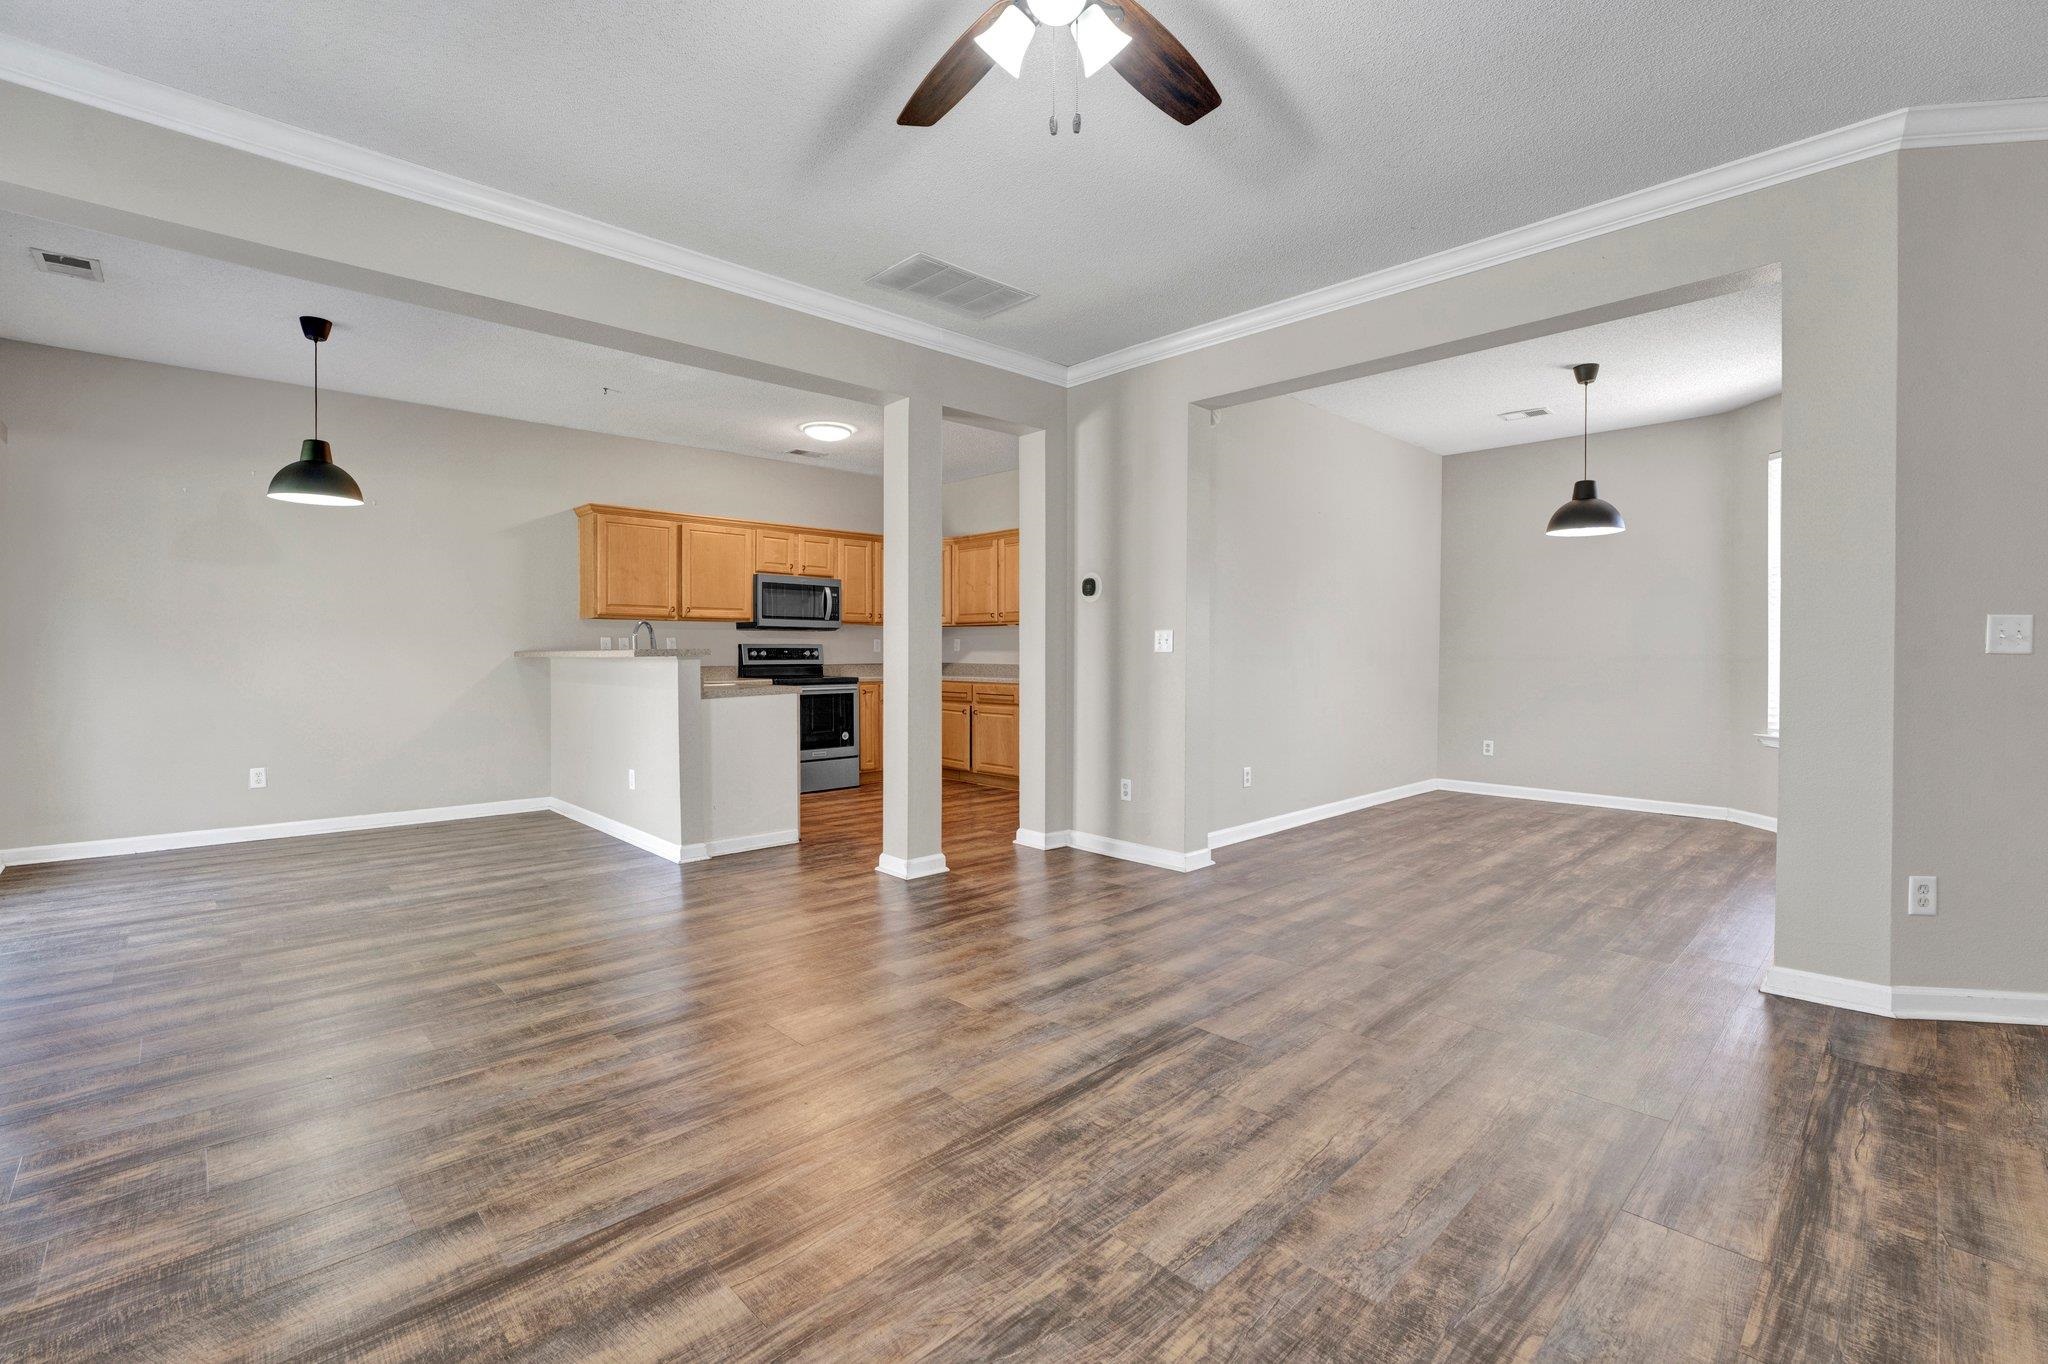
point(1586, 514)
point(314, 477)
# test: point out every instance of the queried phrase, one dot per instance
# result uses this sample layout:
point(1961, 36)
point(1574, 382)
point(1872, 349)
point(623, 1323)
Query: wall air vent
point(57, 263)
point(1522, 414)
point(961, 291)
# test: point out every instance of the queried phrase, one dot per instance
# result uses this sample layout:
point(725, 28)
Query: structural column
point(913, 579)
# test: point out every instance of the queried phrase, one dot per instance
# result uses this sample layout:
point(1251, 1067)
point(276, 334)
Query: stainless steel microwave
point(782, 602)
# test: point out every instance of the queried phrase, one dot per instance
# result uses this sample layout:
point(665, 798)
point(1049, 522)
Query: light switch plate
point(2008, 634)
point(1162, 641)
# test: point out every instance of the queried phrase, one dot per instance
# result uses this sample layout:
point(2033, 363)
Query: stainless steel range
point(828, 711)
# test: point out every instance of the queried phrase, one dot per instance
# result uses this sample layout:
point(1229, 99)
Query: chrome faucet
point(649, 628)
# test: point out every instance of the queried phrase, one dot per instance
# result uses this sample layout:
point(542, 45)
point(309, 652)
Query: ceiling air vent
point(1522, 414)
point(57, 263)
point(811, 454)
point(949, 286)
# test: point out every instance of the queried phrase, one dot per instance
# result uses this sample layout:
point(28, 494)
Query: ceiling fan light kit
point(1114, 33)
point(1008, 39)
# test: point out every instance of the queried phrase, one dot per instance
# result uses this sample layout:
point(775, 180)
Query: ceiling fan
point(1118, 33)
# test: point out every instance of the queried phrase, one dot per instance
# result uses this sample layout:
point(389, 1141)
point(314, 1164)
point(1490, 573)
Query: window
point(1774, 501)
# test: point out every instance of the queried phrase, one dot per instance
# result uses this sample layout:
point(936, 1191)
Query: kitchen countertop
point(951, 672)
point(717, 684)
point(619, 655)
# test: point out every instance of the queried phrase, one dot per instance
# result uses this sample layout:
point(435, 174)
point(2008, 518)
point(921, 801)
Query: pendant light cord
point(1585, 431)
point(316, 390)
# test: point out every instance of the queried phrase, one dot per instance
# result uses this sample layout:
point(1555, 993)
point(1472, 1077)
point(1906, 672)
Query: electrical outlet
point(1486, 748)
point(259, 777)
point(2008, 634)
point(1124, 788)
point(604, 642)
point(1247, 776)
point(956, 644)
point(878, 644)
point(1162, 641)
point(669, 643)
point(1920, 895)
point(632, 780)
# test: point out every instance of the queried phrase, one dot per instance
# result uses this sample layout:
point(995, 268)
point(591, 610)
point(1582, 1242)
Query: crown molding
point(68, 77)
point(1939, 125)
point(101, 87)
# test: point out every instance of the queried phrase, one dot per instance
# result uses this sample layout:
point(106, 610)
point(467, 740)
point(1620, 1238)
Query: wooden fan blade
point(952, 76)
point(1159, 68)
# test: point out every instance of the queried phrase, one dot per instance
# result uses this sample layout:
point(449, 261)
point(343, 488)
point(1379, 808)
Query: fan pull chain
point(1080, 79)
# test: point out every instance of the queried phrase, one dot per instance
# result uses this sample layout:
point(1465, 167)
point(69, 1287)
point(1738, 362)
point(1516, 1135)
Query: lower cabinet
point(956, 726)
point(870, 726)
point(995, 730)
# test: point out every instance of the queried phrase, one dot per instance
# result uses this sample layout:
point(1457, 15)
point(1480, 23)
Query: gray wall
point(1972, 764)
point(1622, 665)
point(1323, 670)
point(167, 627)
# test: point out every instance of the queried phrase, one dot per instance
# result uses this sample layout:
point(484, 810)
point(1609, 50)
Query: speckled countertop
point(951, 672)
point(719, 684)
point(616, 655)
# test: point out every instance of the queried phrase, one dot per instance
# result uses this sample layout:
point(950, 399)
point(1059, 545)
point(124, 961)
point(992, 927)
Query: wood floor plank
point(1654, 1294)
point(1452, 1078)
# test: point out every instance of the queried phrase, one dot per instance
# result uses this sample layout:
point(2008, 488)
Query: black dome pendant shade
point(314, 478)
point(1586, 513)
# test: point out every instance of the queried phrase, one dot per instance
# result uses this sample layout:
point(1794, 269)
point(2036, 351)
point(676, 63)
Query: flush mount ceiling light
point(1585, 514)
point(314, 478)
point(1117, 33)
point(826, 431)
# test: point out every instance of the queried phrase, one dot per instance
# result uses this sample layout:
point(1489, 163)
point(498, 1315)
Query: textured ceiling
point(174, 308)
point(1690, 361)
point(1351, 138)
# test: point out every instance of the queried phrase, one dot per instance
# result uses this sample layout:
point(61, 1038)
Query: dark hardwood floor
point(1453, 1078)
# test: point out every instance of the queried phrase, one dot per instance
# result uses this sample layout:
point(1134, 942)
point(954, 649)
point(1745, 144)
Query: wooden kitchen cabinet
point(956, 729)
point(717, 561)
point(635, 564)
point(870, 726)
point(977, 580)
point(858, 568)
point(817, 556)
point(947, 615)
point(995, 739)
point(629, 566)
point(1009, 579)
point(777, 550)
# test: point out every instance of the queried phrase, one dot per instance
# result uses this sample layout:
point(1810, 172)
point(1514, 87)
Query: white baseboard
point(1837, 992)
point(626, 833)
point(1140, 852)
point(1943, 1002)
point(1647, 807)
point(1970, 1006)
point(1058, 838)
point(1273, 824)
point(252, 833)
point(779, 838)
point(912, 868)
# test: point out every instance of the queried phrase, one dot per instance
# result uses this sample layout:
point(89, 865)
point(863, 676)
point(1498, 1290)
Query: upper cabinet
point(666, 566)
point(817, 554)
point(859, 570)
point(629, 565)
point(718, 565)
point(983, 582)
point(778, 549)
